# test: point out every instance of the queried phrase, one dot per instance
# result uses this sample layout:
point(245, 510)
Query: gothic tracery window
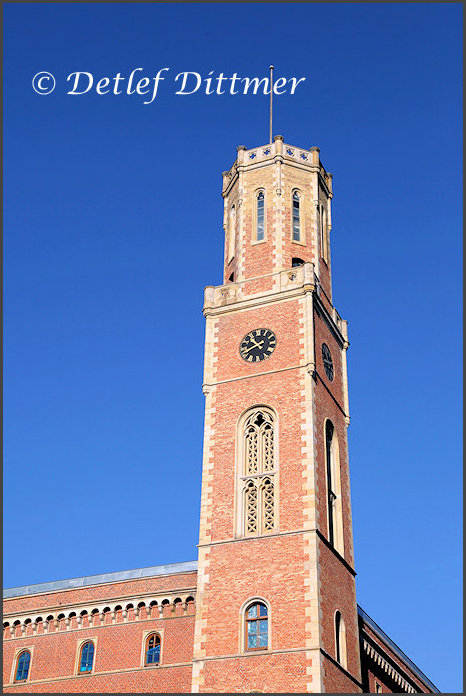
point(258, 488)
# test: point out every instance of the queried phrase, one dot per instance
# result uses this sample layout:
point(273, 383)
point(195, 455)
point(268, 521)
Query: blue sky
point(113, 226)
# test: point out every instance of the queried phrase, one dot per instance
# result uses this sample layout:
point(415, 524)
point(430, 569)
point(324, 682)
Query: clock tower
point(276, 603)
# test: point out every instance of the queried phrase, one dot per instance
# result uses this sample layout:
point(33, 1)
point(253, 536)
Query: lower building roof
point(171, 569)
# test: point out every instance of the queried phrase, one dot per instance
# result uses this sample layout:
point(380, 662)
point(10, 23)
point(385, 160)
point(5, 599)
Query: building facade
point(275, 487)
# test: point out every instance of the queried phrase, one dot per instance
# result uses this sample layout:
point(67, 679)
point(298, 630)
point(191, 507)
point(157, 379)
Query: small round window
point(327, 360)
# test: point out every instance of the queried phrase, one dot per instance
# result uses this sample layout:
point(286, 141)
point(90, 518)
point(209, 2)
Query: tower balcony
point(276, 287)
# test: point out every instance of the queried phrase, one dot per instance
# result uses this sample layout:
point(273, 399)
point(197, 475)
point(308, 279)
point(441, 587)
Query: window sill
point(295, 241)
point(258, 241)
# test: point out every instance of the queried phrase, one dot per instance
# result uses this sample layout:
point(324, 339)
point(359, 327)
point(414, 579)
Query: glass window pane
point(252, 626)
point(252, 611)
point(263, 626)
point(23, 666)
point(262, 641)
point(252, 641)
point(263, 610)
point(87, 657)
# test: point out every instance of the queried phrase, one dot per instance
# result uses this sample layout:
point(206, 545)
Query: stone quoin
point(275, 488)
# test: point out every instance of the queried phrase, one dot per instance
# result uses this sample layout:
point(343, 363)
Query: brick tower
point(276, 602)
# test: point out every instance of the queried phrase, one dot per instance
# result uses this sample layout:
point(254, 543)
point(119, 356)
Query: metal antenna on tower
point(271, 103)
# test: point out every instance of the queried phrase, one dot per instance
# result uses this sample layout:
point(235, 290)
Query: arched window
point(334, 508)
point(340, 640)
point(296, 217)
point(295, 261)
point(152, 649)
point(258, 472)
point(86, 657)
point(324, 241)
point(260, 216)
point(231, 233)
point(22, 666)
point(257, 627)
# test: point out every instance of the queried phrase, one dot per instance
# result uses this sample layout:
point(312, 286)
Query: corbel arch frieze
point(85, 615)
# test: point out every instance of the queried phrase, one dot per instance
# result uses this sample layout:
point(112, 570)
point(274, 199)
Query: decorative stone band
point(387, 667)
point(79, 616)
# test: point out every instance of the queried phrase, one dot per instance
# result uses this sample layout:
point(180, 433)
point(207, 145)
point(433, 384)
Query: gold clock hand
point(257, 345)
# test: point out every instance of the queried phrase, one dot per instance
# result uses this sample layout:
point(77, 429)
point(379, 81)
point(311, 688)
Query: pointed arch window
point(340, 640)
point(296, 217)
point(22, 666)
point(152, 652)
point(258, 472)
point(334, 507)
point(324, 240)
point(257, 627)
point(231, 233)
point(86, 658)
point(260, 216)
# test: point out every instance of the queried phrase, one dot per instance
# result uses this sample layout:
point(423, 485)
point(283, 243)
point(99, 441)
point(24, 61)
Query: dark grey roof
point(388, 641)
point(72, 583)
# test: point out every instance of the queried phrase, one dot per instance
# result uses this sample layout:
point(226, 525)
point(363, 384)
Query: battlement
point(277, 151)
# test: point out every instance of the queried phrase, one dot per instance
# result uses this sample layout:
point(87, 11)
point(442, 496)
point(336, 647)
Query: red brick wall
point(119, 647)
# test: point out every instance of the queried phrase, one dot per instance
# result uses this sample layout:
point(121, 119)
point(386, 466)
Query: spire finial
point(271, 102)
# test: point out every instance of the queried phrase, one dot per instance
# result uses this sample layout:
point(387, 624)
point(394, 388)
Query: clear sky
point(113, 226)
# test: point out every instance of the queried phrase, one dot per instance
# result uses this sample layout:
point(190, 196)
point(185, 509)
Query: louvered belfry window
point(259, 473)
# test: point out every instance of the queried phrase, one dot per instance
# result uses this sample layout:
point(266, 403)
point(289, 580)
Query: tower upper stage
point(277, 212)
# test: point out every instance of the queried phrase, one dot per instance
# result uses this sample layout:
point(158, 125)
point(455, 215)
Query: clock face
point(257, 345)
point(327, 360)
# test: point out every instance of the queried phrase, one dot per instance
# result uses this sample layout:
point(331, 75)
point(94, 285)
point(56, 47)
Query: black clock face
point(257, 345)
point(327, 360)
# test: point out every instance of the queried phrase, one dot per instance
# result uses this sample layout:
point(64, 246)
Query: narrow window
point(296, 218)
point(231, 234)
point(340, 640)
point(257, 479)
point(86, 659)
point(260, 216)
point(321, 226)
point(378, 688)
point(257, 627)
point(231, 278)
point(296, 262)
point(330, 493)
point(152, 649)
point(22, 666)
